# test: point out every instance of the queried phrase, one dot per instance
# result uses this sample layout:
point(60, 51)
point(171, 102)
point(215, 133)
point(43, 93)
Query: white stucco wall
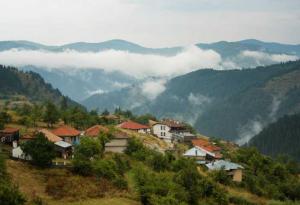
point(18, 153)
point(162, 131)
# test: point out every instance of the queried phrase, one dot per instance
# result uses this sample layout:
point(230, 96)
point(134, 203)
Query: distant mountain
point(232, 104)
point(80, 84)
point(29, 84)
point(281, 137)
point(115, 44)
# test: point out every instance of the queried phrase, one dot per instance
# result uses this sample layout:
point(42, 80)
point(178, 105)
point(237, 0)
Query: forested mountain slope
point(29, 84)
point(281, 137)
point(233, 104)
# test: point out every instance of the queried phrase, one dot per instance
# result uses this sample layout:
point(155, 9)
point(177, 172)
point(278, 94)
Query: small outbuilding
point(9, 134)
point(233, 169)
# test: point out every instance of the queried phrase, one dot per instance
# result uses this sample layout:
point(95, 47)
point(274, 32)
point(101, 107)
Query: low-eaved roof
point(66, 131)
point(205, 144)
point(95, 130)
point(197, 152)
point(194, 152)
point(133, 125)
point(63, 144)
point(222, 164)
point(50, 136)
point(10, 130)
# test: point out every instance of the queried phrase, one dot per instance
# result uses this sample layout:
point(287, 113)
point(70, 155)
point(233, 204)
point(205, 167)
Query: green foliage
point(51, 114)
point(40, 149)
point(84, 153)
point(109, 169)
point(221, 176)
point(155, 188)
point(264, 176)
point(144, 119)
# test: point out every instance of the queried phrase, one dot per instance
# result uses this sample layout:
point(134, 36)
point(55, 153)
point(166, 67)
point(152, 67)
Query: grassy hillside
point(280, 138)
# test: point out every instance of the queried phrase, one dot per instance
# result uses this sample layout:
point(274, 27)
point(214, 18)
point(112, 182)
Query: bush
point(40, 149)
point(221, 176)
point(109, 170)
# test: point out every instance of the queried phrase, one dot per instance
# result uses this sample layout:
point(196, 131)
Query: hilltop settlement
point(54, 151)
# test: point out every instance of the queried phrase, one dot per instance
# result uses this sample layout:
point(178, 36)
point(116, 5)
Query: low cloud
point(152, 88)
point(198, 99)
point(137, 65)
point(252, 128)
point(262, 58)
point(255, 126)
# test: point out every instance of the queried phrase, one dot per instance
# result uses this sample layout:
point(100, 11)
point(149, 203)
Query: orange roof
point(66, 131)
point(95, 130)
point(132, 125)
point(10, 130)
point(205, 144)
point(50, 136)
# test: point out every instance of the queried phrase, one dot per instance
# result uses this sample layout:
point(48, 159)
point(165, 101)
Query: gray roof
point(222, 164)
point(63, 144)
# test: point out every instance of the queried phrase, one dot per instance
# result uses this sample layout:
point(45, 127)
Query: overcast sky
point(152, 23)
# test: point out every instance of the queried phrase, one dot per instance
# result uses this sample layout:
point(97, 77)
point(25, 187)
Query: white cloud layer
point(152, 88)
point(261, 57)
point(138, 65)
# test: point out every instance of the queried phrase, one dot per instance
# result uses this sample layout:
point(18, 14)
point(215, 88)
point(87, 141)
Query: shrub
point(40, 149)
point(221, 176)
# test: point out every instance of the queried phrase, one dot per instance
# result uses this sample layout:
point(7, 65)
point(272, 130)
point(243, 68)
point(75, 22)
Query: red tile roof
point(10, 130)
point(95, 130)
point(205, 144)
point(66, 131)
point(133, 126)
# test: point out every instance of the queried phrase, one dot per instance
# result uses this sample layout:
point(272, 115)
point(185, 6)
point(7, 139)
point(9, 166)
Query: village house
point(234, 170)
point(117, 144)
point(64, 149)
point(171, 130)
point(201, 156)
point(208, 146)
point(68, 134)
point(134, 126)
point(8, 135)
point(95, 130)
